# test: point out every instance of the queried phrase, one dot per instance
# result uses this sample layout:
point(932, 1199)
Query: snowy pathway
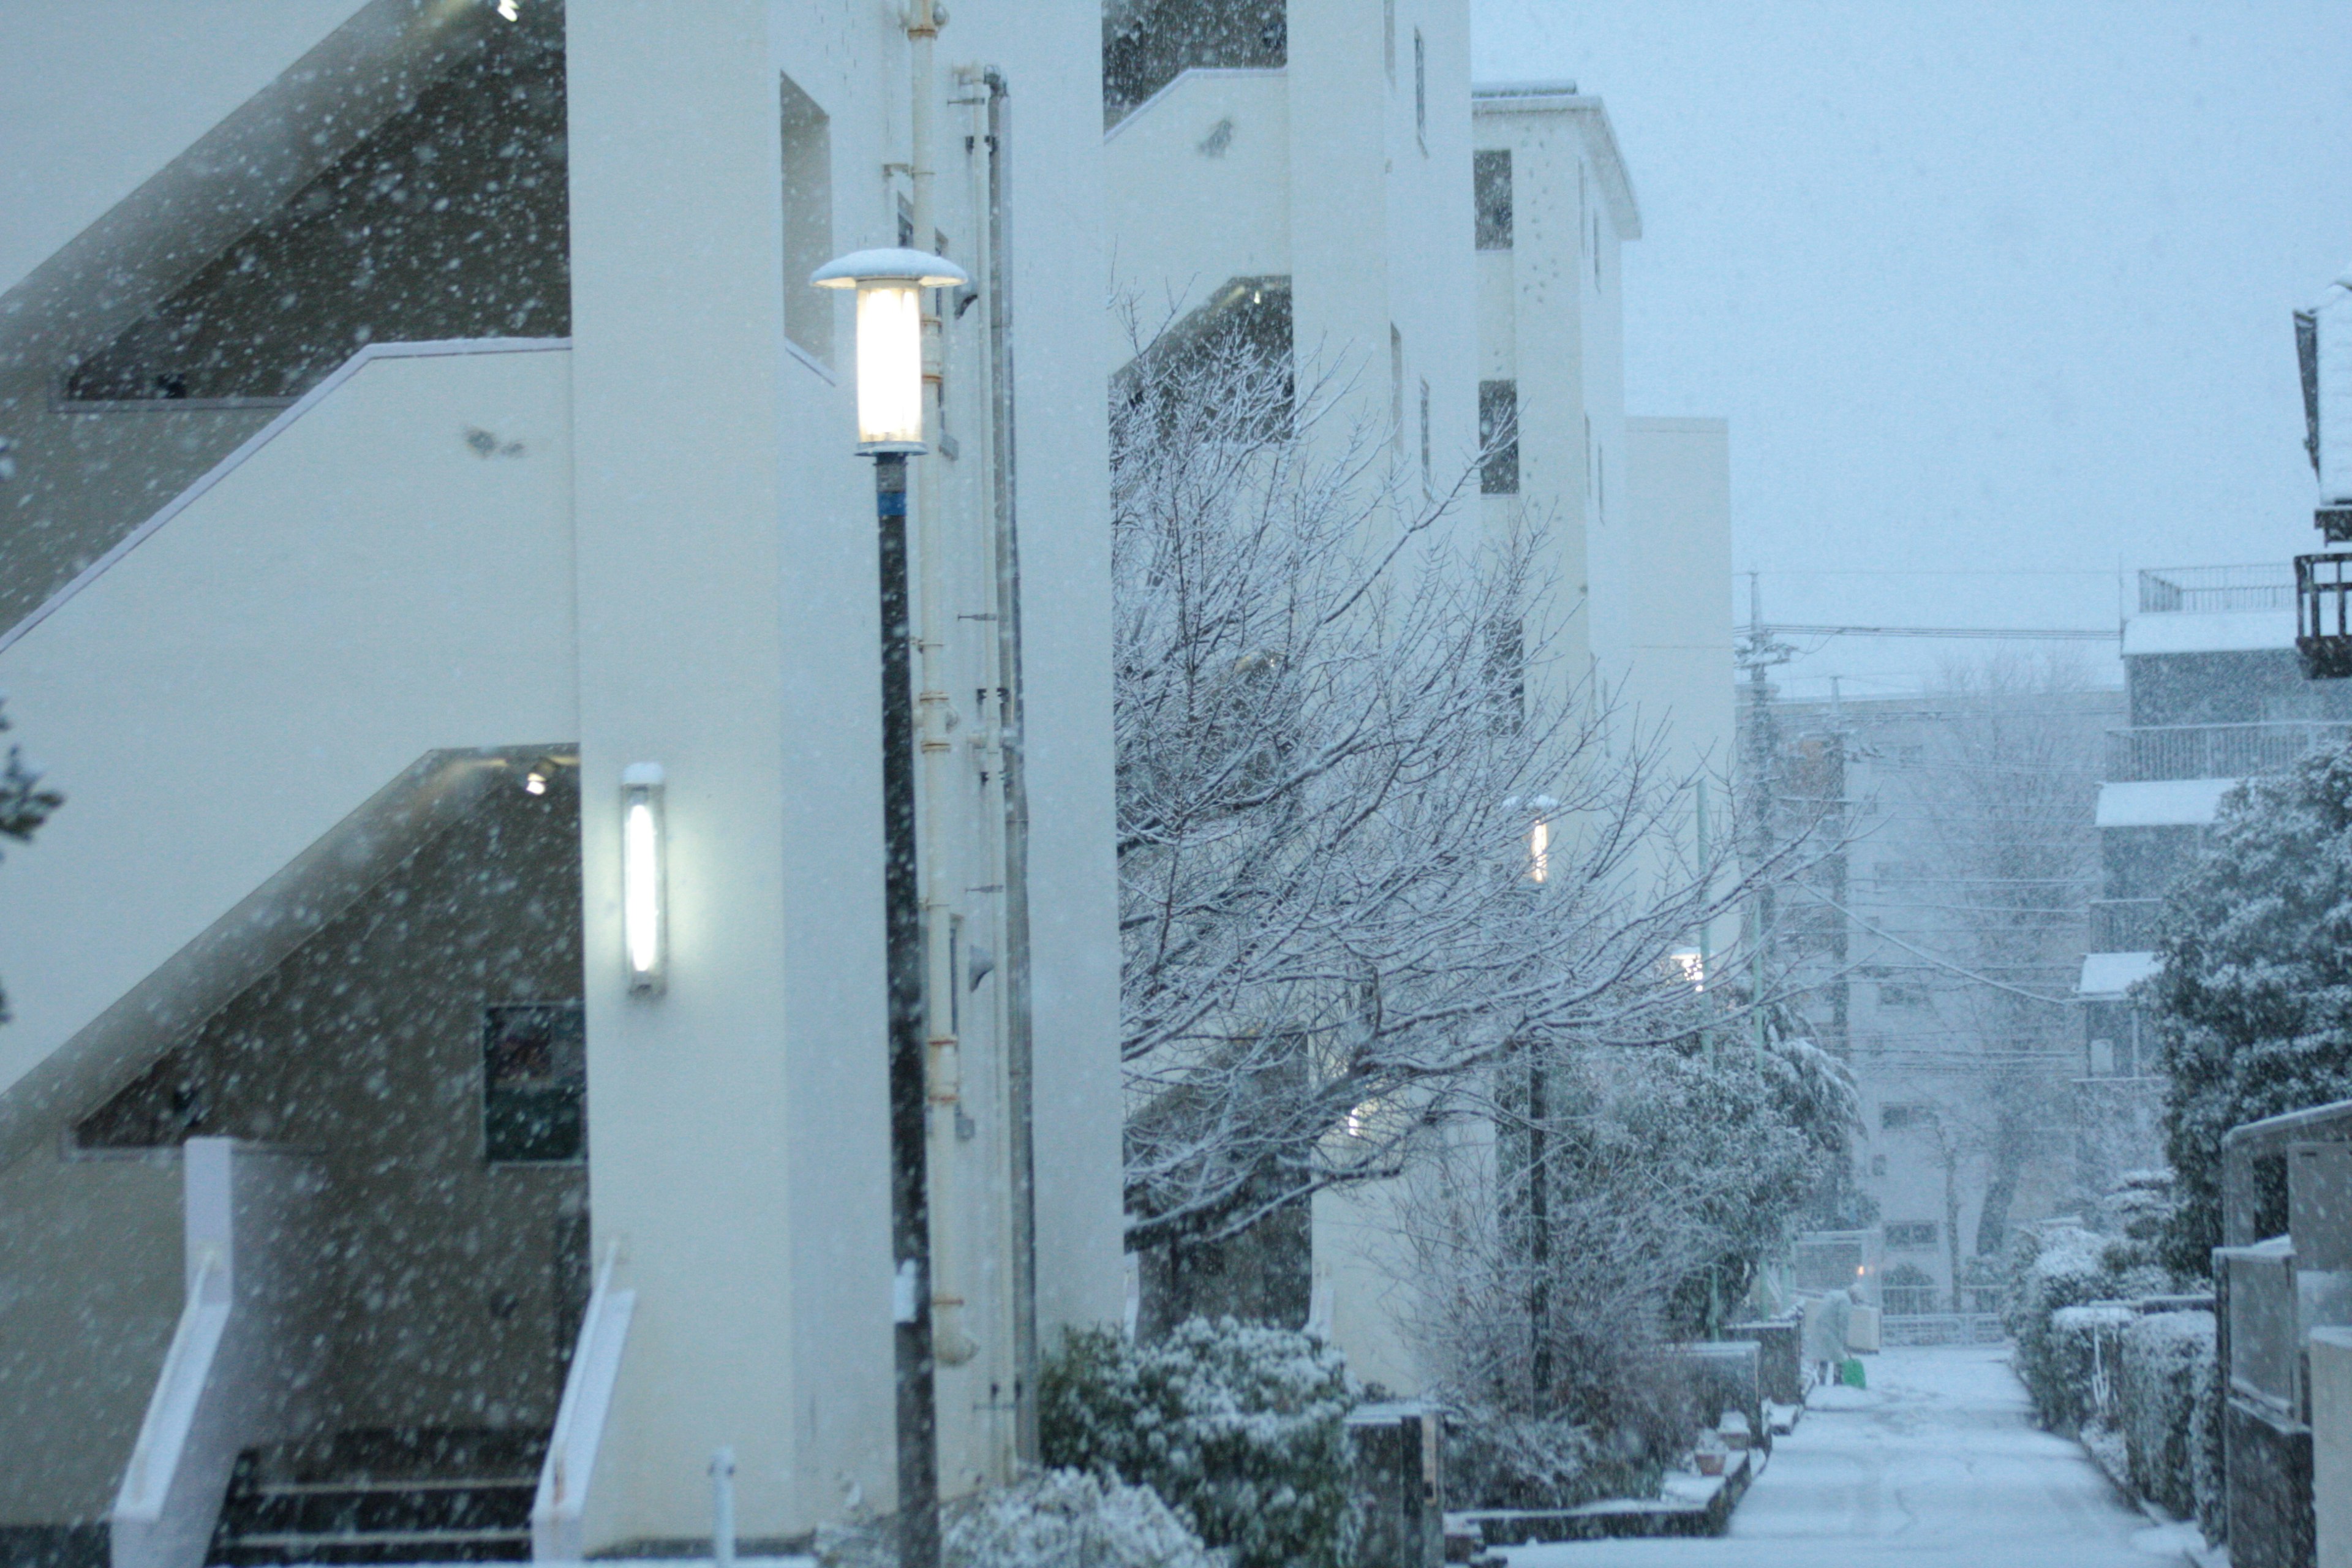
point(1936, 1466)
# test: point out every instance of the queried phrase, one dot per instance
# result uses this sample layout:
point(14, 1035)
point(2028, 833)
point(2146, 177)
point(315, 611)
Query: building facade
point(1447, 258)
point(421, 432)
point(2215, 695)
point(1933, 942)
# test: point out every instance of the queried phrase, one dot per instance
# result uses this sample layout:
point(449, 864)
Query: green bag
point(1850, 1373)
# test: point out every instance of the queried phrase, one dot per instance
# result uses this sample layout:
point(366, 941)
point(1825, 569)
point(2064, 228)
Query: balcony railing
point(2214, 751)
point(2124, 925)
point(2203, 589)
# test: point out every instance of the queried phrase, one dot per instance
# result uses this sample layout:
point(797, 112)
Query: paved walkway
point(1938, 1465)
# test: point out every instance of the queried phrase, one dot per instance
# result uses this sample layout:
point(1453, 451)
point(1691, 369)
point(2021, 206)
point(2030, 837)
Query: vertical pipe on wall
point(1015, 905)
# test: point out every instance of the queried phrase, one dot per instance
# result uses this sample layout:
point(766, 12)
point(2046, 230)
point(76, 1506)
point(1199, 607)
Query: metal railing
point(1941, 1329)
point(2125, 925)
point(2215, 750)
point(2197, 589)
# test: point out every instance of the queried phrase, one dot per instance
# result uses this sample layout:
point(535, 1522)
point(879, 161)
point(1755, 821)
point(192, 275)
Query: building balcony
point(2208, 590)
point(2124, 925)
point(2215, 750)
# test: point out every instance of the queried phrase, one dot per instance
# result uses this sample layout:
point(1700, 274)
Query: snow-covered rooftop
point(2214, 631)
point(2107, 975)
point(2163, 803)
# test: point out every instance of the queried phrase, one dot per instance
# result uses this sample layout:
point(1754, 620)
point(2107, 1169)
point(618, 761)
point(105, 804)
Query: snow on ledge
point(2163, 803)
point(2218, 631)
point(2107, 975)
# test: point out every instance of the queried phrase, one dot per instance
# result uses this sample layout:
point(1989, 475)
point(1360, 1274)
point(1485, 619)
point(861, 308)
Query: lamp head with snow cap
point(889, 283)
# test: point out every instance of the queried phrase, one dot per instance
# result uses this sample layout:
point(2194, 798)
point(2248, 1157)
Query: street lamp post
point(889, 429)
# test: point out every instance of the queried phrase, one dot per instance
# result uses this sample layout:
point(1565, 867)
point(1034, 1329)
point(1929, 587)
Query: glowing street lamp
point(889, 284)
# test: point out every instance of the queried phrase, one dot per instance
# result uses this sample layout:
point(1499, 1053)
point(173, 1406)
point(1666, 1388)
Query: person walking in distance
point(1826, 1325)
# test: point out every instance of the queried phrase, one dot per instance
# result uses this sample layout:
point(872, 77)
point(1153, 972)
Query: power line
point(2021, 634)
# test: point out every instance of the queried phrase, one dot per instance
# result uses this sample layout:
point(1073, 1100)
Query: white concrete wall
point(738, 1121)
point(725, 594)
point(1196, 187)
point(360, 589)
point(2331, 1444)
point(1674, 593)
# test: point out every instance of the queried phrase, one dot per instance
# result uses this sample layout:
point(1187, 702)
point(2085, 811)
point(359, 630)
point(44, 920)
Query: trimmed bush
point(2064, 1271)
point(2168, 1367)
point(1242, 1429)
point(2085, 1352)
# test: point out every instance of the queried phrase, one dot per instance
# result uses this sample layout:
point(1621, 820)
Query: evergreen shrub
point(2167, 1369)
point(1243, 1430)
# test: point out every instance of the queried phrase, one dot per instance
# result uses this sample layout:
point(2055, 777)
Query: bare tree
point(2004, 798)
point(1358, 863)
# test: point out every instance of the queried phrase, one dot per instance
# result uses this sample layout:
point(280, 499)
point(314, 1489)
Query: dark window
point(534, 1082)
point(1498, 437)
point(1910, 1233)
point(1428, 464)
point(1421, 88)
point(1490, 178)
point(1896, 1117)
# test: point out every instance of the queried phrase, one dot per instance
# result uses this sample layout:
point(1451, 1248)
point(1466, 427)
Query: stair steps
point(415, 1495)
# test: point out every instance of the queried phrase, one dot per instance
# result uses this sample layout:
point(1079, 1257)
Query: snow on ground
point(1936, 1465)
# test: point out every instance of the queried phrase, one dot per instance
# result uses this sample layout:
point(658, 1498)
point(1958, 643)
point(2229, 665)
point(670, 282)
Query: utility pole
point(1760, 654)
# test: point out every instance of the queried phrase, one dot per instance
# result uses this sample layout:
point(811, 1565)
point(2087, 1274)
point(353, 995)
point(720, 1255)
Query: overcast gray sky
point(1997, 292)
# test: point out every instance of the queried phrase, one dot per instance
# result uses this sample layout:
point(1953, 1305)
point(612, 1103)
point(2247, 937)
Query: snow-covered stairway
point(419, 1495)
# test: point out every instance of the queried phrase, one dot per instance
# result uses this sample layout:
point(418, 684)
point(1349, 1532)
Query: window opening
point(1427, 467)
point(1490, 176)
point(534, 1083)
point(1498, 437)
point(1396, 387)
point(807, 137)
point(1421, 89)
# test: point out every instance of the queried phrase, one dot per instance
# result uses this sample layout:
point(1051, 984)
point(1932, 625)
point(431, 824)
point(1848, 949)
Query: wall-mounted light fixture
point(645, 915)
point(889, 284)
point(1538, 833)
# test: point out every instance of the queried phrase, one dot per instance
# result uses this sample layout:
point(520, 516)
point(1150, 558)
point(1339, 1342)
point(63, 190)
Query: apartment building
point(1935, 947)
point(1449, 256)
point(429, 471)
point(2215, 694)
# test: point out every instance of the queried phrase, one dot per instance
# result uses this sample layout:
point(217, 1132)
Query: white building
point(1452, 259)
point(418, 417)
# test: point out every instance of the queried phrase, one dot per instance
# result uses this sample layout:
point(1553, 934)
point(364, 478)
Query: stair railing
point(558, 1511)
point(235, 1374)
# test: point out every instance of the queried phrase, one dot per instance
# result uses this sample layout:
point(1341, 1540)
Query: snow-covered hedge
point(1055, 1519)
point(2166, 1372)
point(1069, 1519)
point(1242, 1429)
point(2138, 1388)
point(2063, 1271)
point(2083, 1352)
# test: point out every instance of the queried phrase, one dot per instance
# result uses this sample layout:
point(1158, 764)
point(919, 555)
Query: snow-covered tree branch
point(1335, 903)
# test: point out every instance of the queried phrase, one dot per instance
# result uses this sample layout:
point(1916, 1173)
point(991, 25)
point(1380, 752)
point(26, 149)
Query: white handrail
point(262, 438)
point(171, 1412)
point(557, 1510)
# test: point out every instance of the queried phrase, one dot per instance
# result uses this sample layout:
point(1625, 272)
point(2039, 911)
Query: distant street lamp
point(889, 285)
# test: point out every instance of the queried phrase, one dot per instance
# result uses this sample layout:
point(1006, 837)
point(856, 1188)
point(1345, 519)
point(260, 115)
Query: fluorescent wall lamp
point(644, 917)
point(889, 285)
point(1538, 833)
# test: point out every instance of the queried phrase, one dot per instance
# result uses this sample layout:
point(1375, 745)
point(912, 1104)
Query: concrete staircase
point(417, 1495)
